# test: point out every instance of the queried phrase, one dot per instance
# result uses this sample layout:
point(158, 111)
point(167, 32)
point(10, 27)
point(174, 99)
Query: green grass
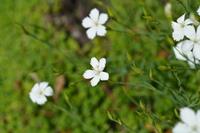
point(147, 84)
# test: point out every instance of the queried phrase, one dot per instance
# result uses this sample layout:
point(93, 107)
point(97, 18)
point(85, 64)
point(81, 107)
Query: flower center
point(196, 40)
point(182, 25)
point(41, 92)
point(96, 24)
point(194, 129)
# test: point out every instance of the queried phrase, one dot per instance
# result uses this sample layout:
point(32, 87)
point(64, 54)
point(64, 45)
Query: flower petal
point(198, 116)
point(94, 14)
point(32, 96)
point(186, 46)
point(190, 32)
point(175, 25)
point(181, 19)
point(198, 32)
point(188, 116)
point(94, 63)
point(191, 64)
point(41, 100)
point(95, 81)
point(178, 52)
point(103, 18)
point(104, 76)
point(102, 64)
point(181, 128)
point(43, 85)
point(35, 88)
point(196, 51)
point(88, 74)
point(188, 21)
point(178, 34)
point(91, 33)
point(198, 11)
point(87, 22)
point(101, 30)
point(48, 91)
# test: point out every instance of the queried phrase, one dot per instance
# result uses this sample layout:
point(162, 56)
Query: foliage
point(147, 84)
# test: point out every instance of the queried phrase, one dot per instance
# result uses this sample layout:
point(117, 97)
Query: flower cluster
point(187, 34)
point(94, 24)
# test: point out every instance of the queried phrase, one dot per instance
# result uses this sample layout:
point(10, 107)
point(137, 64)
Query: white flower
point(96, 74)
point(198, 11)
point(94, 23)
point(39, 93)
point(190, 122)
point(194, 41)
point(179, 27)
point(184, 54)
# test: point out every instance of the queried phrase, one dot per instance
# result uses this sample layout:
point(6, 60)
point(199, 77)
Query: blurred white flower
point(39, 93)
point(198, 11)
point(94, 23)
point(179, 27)
point(190, 122)
point(96, 74)
point(168, 9)
point(184, 54)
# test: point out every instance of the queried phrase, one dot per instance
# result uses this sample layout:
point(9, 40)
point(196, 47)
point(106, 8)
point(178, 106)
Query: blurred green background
point(43, 40)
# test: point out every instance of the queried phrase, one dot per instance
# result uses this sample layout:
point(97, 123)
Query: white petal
point(190, 56)
point(102, 64)
point(196, 51)
point(101, 30)
point(91, 33)
point(94, 63)
point(33, 96)
point(198, 116)
point(198, 32)
point(198, 11)
point(188, 21)
point(187, 46)
point(43, 85)
point(95, 81)
point(178, 52)
point(35, 88)
point(178, 35)
point(181, 128)
point(188, 116)
point(89, 74)
point(104, 76)
point(181, 19)
point(190, 32)
point(103, 18)
point(94, 14)
point(175, 25)
point(41, 100)
point(192, 65)
point(48, 91)
point(87, 22)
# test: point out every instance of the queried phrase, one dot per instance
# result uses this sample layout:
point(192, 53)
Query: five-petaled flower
point(180, 27)
point(39, 93)
point(94, 23)
point(96, 74)
point(190, 122)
